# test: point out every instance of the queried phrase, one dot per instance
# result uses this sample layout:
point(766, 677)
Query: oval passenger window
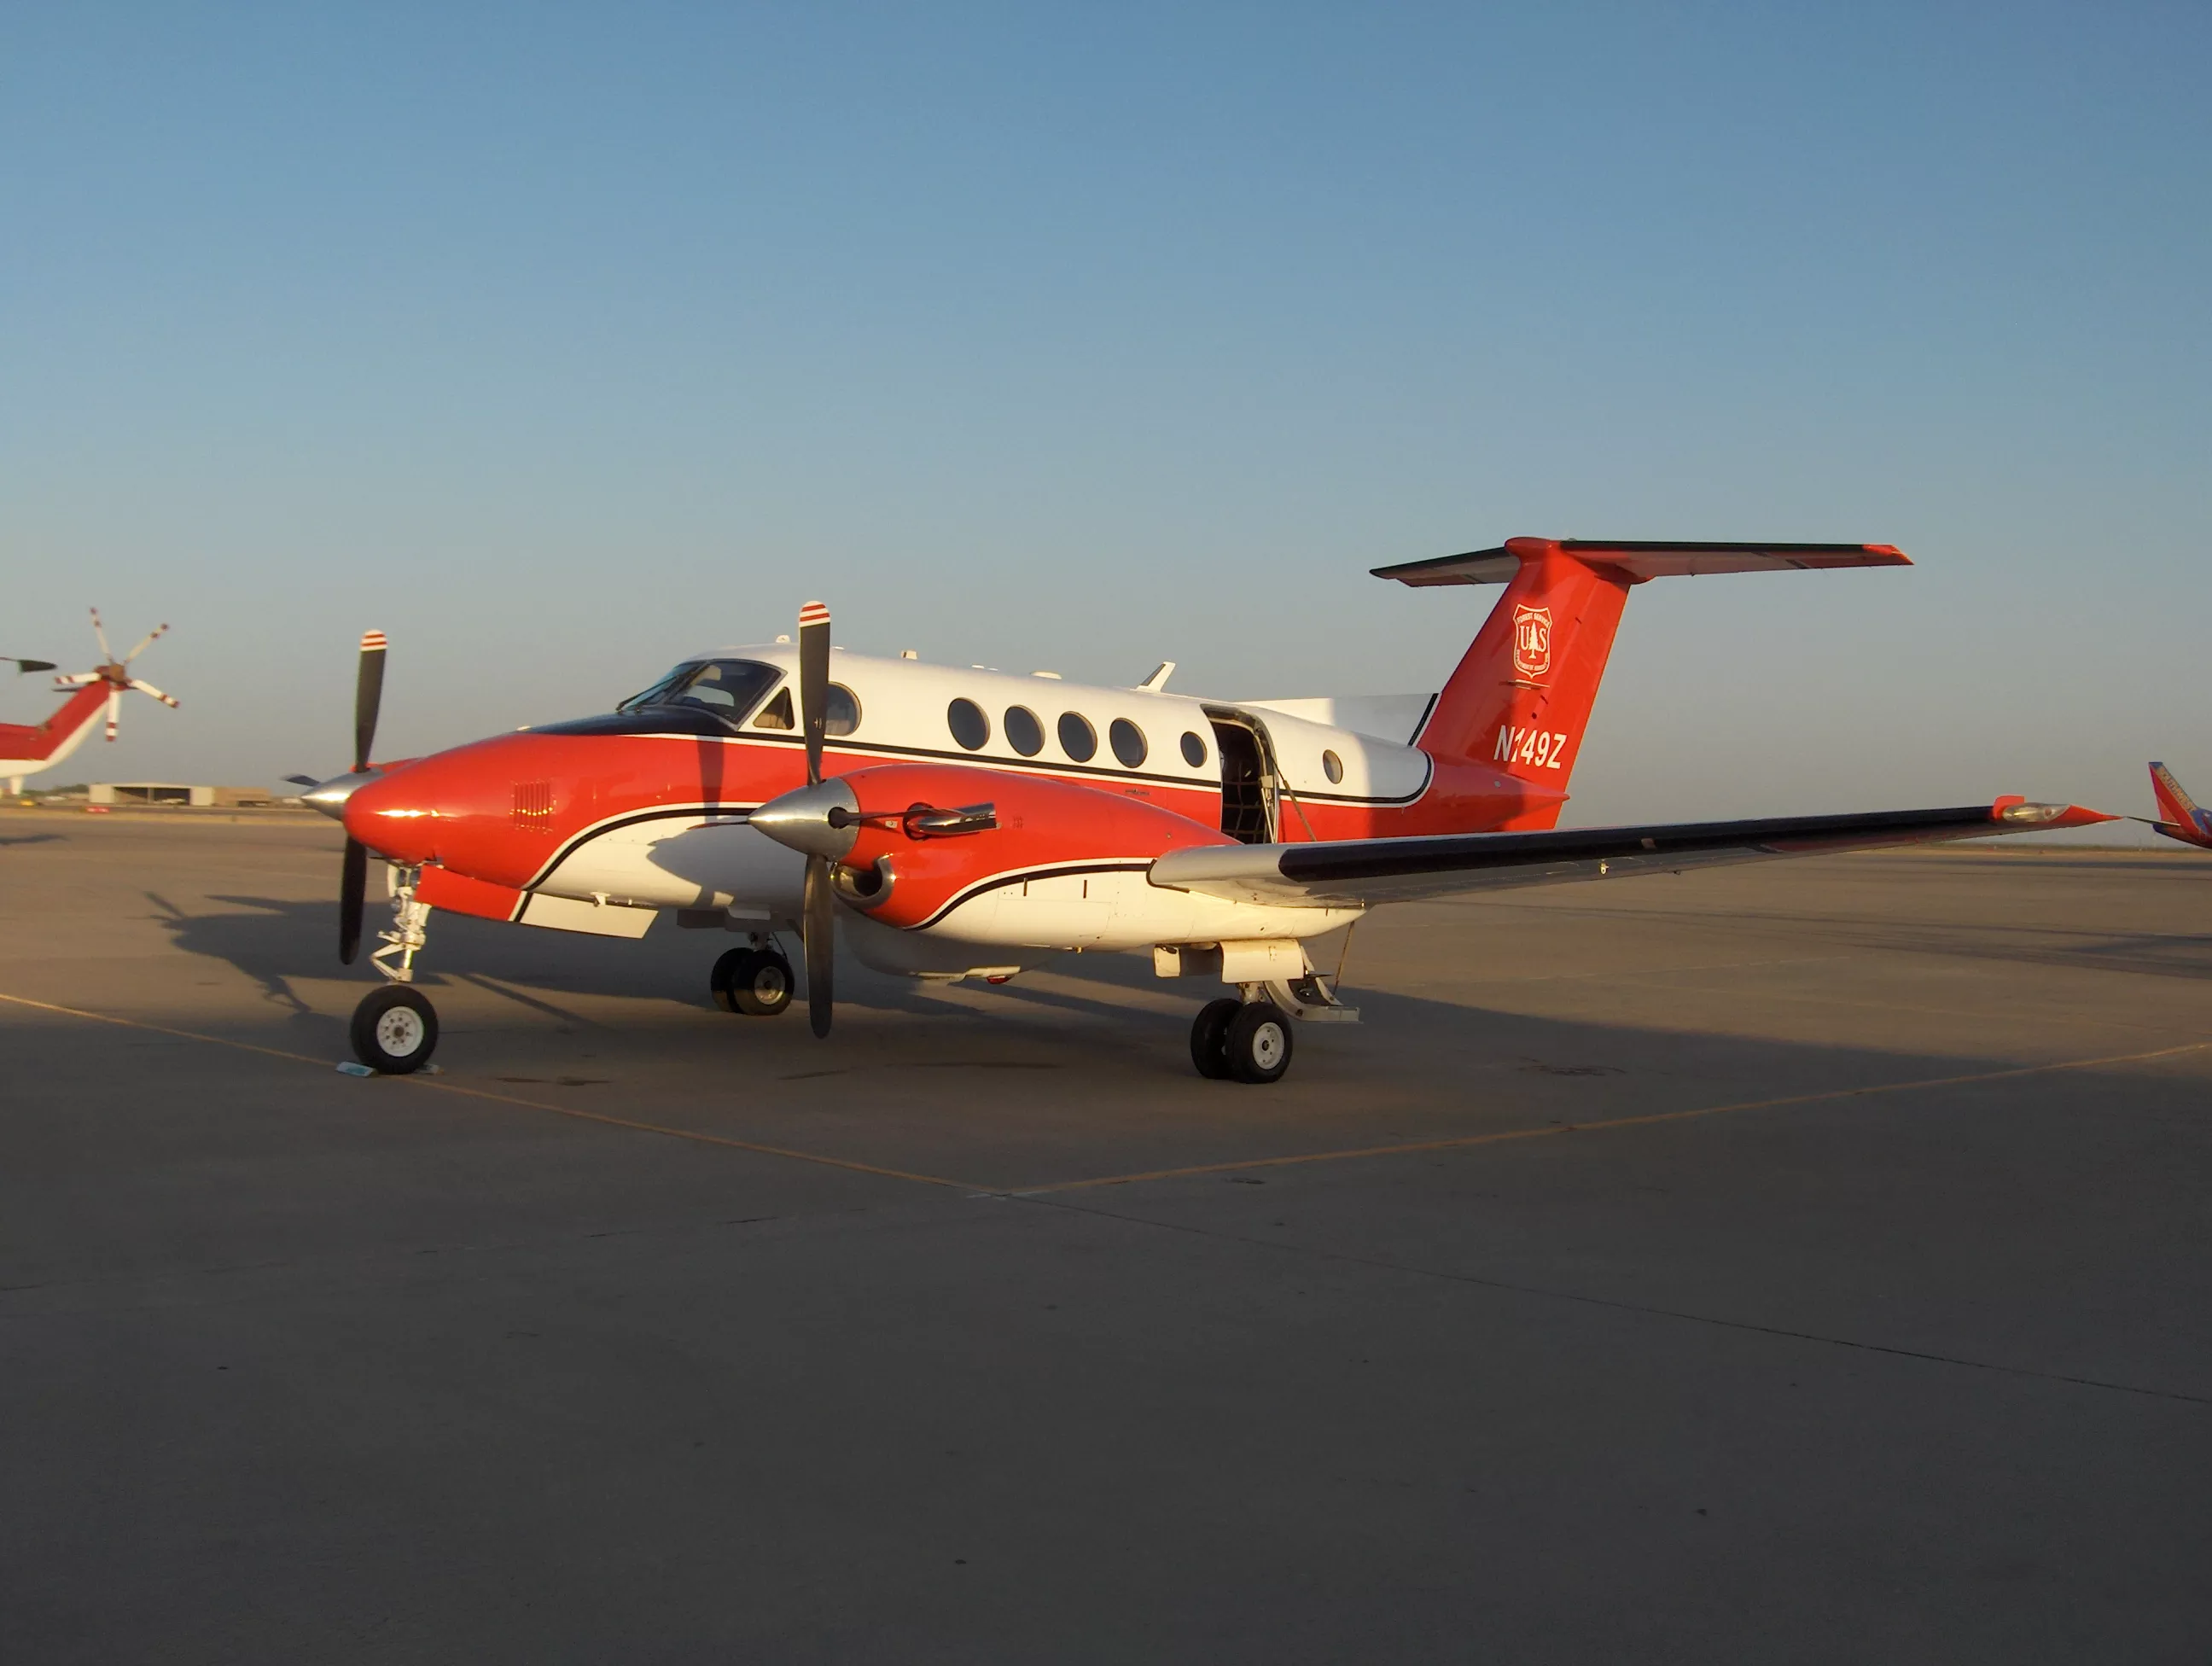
point(1023, 732)
point(840, 713)
point(1076, 738)
point(1193, 750)
point(1332, 766)
point(968, 725)
point(1127, 741)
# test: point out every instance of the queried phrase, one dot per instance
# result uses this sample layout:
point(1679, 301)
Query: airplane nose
point(386, 813)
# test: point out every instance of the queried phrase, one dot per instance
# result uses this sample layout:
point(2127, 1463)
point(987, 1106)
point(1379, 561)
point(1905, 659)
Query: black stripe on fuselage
point(636, 726)
point(999, 882)
point(734, 814)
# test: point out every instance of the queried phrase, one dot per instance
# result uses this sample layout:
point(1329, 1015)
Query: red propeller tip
point(814, 613)
point(372, 641)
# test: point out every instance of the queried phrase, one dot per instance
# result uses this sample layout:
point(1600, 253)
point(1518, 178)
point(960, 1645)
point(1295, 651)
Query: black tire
point(762, 987)
point(1259, 1043)
point(1209, 1038)
point(754, 982)
point(395, 1031)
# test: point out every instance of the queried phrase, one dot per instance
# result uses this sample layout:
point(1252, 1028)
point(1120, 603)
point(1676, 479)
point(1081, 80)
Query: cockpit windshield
point(727, 688)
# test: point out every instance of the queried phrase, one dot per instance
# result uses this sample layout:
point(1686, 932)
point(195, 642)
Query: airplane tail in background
point(2180, 818)
point(1521, 694)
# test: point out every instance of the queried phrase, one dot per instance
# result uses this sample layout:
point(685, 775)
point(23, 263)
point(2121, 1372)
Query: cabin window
point(1333, 767)
point(1127, 741)
point(777, 715)
point(1076, 738)
point(841, 711)
point(1022, 731)
point(727, 688)
point(968, 725)
point(1194, 750)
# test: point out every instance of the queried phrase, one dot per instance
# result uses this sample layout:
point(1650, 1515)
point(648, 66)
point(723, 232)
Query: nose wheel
point(395, 1030)
point(1248, 1041)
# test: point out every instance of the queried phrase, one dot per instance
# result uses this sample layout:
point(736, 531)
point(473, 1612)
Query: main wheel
point(1209, 1038)
point(395, 1031)
point(754, 981)
point(1259, 1043)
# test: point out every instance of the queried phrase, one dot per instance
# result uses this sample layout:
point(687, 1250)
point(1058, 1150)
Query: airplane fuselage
point(596, 825)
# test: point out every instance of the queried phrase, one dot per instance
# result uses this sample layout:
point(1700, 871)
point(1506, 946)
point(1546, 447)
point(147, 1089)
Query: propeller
point(817, 927)
point(820, 818)
point(115, 673)
point(353, 878)
point(23, 666)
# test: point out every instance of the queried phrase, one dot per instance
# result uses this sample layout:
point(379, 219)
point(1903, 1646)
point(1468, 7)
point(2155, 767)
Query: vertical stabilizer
point(1521, 694)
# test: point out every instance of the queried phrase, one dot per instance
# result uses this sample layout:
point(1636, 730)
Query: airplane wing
point(1355, 873)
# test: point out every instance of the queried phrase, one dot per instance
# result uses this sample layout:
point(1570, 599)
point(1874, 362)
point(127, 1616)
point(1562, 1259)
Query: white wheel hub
point(1267, 1045)
point(768, 983)
point(399, 1032)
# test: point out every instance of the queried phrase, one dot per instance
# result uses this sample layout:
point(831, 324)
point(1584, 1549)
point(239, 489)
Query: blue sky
point(559, 341)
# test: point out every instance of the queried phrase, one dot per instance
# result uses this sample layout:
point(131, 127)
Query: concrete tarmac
point(1807, 1262)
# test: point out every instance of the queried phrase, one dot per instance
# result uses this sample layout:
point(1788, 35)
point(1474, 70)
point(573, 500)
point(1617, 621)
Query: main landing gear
point(395, 1029)
point(754, 981)
point(1249, 1040)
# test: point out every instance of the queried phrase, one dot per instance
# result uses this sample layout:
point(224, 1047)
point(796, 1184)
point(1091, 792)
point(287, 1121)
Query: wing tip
point(2019, 815)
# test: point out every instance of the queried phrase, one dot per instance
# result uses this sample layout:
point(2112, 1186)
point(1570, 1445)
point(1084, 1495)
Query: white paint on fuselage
point(15, 768)
point(904, 705)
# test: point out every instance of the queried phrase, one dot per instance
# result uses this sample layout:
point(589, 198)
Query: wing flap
point(1359, 872)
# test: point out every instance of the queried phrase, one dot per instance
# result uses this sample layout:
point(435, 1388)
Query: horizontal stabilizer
point(1636, 561)
point(1360, 872)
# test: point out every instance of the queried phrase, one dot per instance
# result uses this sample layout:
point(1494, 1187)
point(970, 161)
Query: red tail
point(1521, 696)
point(2183, 819)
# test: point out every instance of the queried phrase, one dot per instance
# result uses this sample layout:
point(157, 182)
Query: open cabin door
point(1249, 805)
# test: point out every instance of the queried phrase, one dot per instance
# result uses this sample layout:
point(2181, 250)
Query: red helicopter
point(954, 823)
point(27, 749)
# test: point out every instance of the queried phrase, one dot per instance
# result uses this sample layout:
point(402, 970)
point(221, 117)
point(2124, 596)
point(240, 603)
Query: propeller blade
point(147, 688)
point(76, 680)
point(114, 710)
point(145, 642)
point(303, 781)
point(819, 931)
point(98, 631)
point(367, 696)
point(23, 666)
point(813, 685)
point(353, 892)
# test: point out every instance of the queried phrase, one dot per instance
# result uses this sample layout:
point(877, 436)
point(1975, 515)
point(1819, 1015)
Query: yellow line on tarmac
point(1409, 1148)
point(692, 1134)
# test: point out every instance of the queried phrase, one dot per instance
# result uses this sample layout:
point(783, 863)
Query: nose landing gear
point(395, 1029)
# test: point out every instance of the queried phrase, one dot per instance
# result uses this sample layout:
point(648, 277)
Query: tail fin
point(2181, 818)
point(1523, 693)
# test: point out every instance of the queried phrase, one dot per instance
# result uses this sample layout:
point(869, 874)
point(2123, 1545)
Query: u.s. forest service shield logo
point(1532, 641)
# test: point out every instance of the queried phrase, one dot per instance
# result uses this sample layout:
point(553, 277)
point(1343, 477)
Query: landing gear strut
point(395, 1029)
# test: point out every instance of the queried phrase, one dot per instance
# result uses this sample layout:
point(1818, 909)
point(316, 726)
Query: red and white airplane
point(964, 823)
point(25, 749)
